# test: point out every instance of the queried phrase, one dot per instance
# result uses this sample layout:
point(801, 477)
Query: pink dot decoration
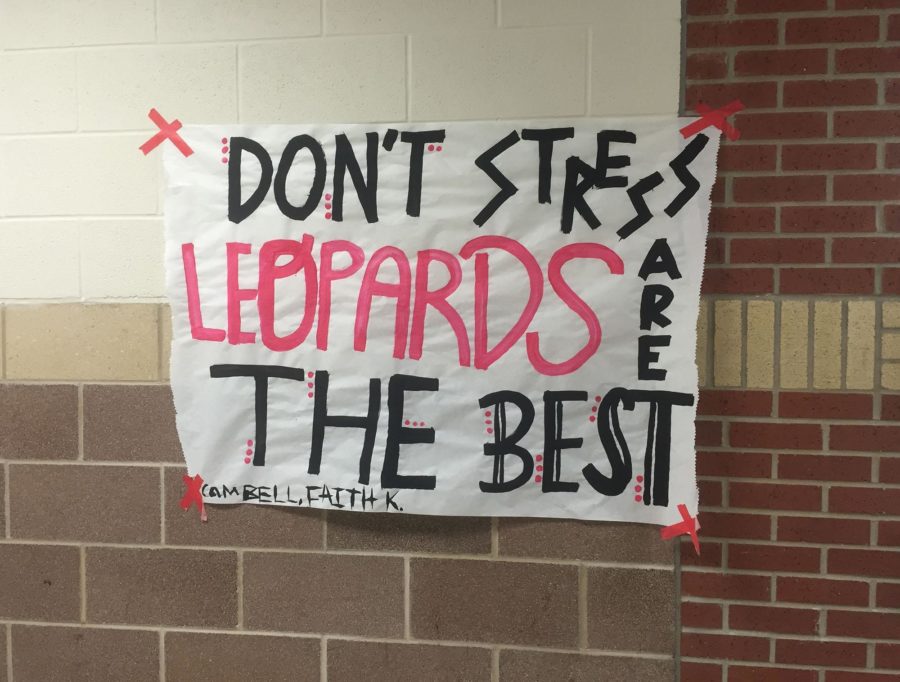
point(224, 140)
point(327, 197)
point(327, 205)
point(637, 488)
point(309, 384)
point(249, 443)
point(431, 147)
point(439, 148)
point(328, 216)
point(637, 498)
point(224, 160)
point(538, 479)
point(309, 395)
point(406, 422)
point(487, 413)
point(490, 430)
point(224, 150)
point(639, 479)
point(246, 460)
point(539, 467)
point(487, 421)
point(592, 418)
point(248, 452)
point(539, 458)
point(594, 408)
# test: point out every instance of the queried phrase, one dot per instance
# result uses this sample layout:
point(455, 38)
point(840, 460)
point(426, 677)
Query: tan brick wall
point(799, 343)
point(100, 565)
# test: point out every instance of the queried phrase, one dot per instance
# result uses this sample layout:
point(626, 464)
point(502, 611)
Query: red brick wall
point(799, 578)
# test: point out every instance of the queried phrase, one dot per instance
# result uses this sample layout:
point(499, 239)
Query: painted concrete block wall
point(80, 206)
point(97, 561)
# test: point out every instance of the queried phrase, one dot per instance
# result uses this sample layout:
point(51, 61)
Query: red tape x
point(688, 526)
point(193, 495)
point(715, 117)
point(166, 131)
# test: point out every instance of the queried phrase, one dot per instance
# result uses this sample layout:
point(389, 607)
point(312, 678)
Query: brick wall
point(799, 339)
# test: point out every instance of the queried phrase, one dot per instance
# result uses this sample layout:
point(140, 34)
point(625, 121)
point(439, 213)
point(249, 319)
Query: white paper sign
point(491, 318)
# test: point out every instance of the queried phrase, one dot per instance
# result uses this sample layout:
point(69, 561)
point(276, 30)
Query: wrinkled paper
point(418, 304)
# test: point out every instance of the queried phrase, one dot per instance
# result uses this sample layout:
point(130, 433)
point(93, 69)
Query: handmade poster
point(468, 318)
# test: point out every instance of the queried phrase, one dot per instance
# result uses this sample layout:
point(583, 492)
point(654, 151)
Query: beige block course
point(165, 341)
point(73, 341)
point(117, 86)
point(860, 372)
point(890, 346)
point(77, 175)
point(793, 361)
point(760, 344)
point(498, 74)
point(324, 79)
point(39, 259)
point(38, 92)
point(827, 344)
point(405, 16)
point(196, 20)
point(703, 344)
point(55, 23)
point(890, 376)
point(728, 340)
point(890, 314)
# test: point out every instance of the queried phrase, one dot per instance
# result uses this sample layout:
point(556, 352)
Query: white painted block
point(60, 23)
point(37, 92)
point(38, 259)
point(357, 79)
point(636, 59)
point(65, 175)
point(635, 48)
point(406, 16)
point(195, 20)
point(122, 258)
point(580, 12)
point(118, 86)
point(499, 74)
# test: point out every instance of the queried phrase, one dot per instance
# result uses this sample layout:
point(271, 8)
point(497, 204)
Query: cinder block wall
point(102, 576)
point(800, 419)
